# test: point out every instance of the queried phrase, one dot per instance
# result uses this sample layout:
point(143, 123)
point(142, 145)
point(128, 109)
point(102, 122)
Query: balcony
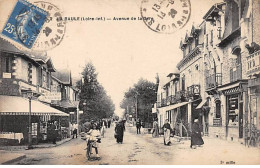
point(171, 100)
point(213, 81)
point(193, 91)
point(217, 122)
point(236, 73)
point(253, 63)
point(164, 102)
point(253, 82)
point(181, 96)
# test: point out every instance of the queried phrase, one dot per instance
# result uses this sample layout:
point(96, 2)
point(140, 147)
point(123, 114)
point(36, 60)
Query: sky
point(121, 51)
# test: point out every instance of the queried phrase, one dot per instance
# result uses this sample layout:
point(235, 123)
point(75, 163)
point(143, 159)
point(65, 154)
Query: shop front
point(236, 110)
point(14, 121)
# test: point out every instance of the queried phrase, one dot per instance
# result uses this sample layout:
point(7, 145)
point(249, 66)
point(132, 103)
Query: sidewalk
point(8, 154)
point(214, 151)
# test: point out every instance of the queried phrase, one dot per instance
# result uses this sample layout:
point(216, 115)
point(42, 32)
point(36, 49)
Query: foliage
point(143, 93)
point(94, 101)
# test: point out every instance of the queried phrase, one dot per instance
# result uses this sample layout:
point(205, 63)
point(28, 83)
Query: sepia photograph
point(129, 82)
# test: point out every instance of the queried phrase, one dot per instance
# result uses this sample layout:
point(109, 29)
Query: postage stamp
point(25, 23)
point(53, 30)
point(167, 15)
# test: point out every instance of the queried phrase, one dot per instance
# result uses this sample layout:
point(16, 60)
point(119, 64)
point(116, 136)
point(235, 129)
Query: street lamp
point(30, 95)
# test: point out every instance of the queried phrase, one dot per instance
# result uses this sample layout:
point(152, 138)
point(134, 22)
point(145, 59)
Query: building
point(250, 34)
point(218, 78)
point(21, 73)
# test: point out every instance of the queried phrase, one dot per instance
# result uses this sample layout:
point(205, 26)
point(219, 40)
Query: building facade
point(24, 79)
point(219, 74)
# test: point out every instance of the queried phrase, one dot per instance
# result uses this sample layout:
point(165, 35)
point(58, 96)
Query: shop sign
point(48, 97)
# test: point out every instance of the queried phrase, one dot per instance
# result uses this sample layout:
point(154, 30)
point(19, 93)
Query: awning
point(171, 107)
point(201, 104)
point(14, 105)
point(228, 87)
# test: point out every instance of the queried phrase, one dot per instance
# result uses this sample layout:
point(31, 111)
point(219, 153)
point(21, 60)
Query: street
point(142, 150)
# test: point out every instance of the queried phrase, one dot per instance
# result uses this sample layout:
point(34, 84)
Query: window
point(190, 47)
point(183, 83)
point(7, 65)
point(196, 41)
point(205, 28)
point(233, 110)
point(218, 109)
point(207, 38)
point(211, 37)
point(30, 73)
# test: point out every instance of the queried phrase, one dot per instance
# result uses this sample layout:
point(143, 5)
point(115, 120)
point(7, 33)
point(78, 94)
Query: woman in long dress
point(167, 132)
point(155, 129)
point(119, 130)
point(102, 130)
point(196, 138)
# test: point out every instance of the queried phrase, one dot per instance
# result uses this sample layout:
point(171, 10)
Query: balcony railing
point(254, 82)
point(163, 102)
point(217, 122)
point(193, 90)
point(253, 63)
point(213, 81)
point(171, 99)
point(181, 96)
point(236, 73)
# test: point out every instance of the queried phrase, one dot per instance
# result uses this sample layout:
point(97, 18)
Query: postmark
point(24, 23)
point(53, 30)
point(168, 16)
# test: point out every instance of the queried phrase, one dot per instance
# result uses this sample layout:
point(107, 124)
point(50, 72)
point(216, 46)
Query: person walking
point(138, 126)
point(109, 123)
point(119, 131)
point(155, 132)
point(167, 132)
point(196, 138)
point(102, 130)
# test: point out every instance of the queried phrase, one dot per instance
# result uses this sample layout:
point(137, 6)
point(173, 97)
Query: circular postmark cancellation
point(167, 16)
point(53, 29)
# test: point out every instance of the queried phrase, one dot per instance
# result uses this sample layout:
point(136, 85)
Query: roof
point(11, 105)
point(214, 8)
point(63, 76)
point(40, 57)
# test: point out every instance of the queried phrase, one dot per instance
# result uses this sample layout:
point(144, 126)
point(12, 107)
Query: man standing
point(138, 126)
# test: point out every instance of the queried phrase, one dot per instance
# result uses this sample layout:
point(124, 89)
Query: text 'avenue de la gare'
point(101, 18)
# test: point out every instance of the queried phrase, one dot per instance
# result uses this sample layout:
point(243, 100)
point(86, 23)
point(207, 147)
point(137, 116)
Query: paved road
point(142, 149)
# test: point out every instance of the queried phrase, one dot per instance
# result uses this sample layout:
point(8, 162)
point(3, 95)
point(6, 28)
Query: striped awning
point(14, 105)
point(232, 91)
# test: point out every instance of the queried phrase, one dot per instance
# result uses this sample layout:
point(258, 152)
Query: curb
point(14, 148)
point(14, 160)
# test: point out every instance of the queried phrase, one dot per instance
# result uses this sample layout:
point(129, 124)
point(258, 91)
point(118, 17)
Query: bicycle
point(92, 144)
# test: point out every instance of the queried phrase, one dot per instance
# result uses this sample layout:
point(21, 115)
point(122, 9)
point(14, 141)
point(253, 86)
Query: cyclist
point(93, 137)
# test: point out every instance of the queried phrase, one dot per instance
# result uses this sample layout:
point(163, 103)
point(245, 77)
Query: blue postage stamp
point(25, 23)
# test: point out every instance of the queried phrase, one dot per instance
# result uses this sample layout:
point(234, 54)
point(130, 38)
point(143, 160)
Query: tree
point(94, 101)
point(141, 96)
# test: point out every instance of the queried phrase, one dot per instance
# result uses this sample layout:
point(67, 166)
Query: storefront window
point(233, 110)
